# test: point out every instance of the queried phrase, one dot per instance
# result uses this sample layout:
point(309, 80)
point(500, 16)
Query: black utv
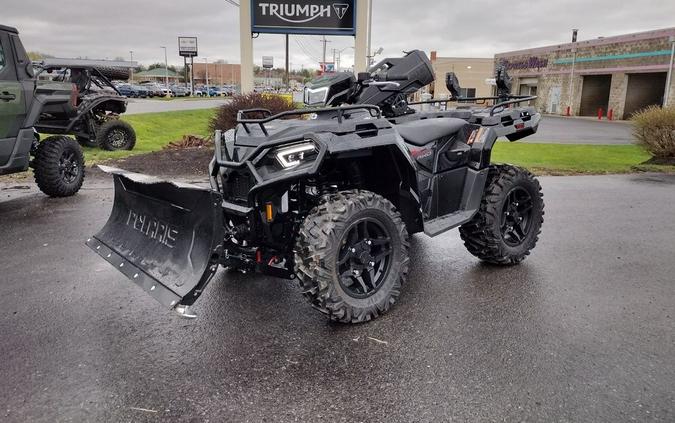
point(331, 195)
point(57, 161)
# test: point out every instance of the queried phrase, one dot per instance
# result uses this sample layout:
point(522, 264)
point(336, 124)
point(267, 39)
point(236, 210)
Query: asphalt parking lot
point(581, 331)
point(140, 105)
point(562, 130)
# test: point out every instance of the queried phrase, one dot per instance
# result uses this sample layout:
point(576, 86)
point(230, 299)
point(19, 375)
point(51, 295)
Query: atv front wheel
point(508, 223)
point(116, 135)
point(352, 256)
point(59, 166)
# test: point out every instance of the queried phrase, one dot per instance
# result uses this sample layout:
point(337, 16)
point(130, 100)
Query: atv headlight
point(316, 96)
point(291, 156)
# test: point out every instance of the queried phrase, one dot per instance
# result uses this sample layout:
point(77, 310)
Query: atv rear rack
point(268, 117)
point(515, 99)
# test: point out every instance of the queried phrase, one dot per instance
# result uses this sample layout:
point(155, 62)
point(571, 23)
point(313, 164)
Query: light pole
point(131, 53)
point(574, 61)
point(166, 72)
point(669, 79)
point(206, 61)
point(339, 57)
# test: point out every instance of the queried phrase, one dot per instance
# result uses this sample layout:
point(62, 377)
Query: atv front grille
point(236, 186)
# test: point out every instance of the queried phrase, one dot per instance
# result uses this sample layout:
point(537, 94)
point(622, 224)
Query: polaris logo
point(152, 228)
point(302, 13)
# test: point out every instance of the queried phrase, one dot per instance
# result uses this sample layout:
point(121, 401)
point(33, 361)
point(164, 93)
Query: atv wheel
point(116, 135)
point(352, 256)
point(59, 166)
point(508, 223)
point(87, 142)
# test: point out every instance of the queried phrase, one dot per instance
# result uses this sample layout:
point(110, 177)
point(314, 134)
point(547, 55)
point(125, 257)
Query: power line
point(232, 2)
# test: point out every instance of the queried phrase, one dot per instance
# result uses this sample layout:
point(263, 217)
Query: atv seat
point(422, 132)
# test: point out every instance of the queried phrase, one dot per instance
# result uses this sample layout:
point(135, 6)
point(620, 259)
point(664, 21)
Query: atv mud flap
point(164, 236)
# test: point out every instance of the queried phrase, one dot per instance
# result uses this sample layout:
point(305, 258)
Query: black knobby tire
point(59, 166)
point(116, 135)
point(326, 235)
point(507, 226)
point(87, 142)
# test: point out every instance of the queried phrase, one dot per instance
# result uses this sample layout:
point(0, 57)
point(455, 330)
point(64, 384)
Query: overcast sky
point(475, 28)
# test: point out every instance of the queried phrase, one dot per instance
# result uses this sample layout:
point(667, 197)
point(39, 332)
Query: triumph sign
point(319, 17)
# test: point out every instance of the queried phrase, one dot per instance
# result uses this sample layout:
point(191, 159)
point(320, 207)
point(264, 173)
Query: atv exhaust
point(166, 237)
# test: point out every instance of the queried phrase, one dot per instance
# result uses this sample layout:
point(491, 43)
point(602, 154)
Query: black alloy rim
point(516, 216)
point(364, 259)
point(117, 138)
point(69, 168)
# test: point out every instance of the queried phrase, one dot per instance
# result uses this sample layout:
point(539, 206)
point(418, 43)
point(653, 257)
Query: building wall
point(620, 56)
point(471, 72)
point(227, 73)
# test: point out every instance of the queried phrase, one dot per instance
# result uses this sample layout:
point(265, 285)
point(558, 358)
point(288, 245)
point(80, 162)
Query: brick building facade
point(623, 74)
point(219, 73)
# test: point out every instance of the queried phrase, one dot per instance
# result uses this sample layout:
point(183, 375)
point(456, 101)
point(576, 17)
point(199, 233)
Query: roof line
point(636, 36)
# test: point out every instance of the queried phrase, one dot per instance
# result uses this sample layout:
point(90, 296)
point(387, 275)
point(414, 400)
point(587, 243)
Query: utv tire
point(116, 135)
point(507, 226)
point(352, 233)
point(87, 142)
point(59, 166)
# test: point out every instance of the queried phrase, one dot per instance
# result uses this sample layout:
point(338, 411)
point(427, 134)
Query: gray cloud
point(478, 28)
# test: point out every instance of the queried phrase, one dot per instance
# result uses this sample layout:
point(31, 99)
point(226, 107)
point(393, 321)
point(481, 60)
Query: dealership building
point(618, 75)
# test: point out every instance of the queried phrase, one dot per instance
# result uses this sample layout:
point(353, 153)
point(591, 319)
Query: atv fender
point(165, 236)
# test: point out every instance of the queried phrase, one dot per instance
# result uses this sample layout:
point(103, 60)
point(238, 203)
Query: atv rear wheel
point(352, 256)
point(59, 166)
point(508, 223)
point(116, 135)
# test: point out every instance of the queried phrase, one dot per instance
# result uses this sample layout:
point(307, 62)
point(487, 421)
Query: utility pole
point(669, 79)
point(324, 41)
point(131, 53)
point(166, 72)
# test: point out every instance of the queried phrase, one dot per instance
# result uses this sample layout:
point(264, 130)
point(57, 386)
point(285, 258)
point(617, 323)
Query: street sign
point(187, 46)
point(327, 67)
point(268, 62)
point(319, 17)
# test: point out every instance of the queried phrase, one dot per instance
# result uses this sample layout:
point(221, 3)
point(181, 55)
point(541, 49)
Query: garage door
point(595, 94)
point(644, 89)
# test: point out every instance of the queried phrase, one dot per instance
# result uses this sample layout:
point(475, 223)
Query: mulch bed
point(165, 163)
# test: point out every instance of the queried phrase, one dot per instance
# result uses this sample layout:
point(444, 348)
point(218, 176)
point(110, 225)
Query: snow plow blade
point(164, 236)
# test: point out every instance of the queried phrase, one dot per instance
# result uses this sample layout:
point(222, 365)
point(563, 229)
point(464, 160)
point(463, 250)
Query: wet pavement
point(583, 330)
point(562, 130)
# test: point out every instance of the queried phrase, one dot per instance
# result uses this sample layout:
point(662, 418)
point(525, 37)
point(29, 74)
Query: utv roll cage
point(92, 75)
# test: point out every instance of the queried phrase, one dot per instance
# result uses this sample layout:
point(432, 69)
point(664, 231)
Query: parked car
point(127, 90)
point(215, 92)
point(179, 91)
point(141, 90)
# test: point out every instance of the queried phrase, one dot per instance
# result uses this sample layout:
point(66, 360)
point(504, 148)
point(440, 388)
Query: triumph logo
point(302, 13)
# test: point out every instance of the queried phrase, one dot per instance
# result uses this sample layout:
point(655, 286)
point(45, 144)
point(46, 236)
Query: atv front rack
point(242, 115)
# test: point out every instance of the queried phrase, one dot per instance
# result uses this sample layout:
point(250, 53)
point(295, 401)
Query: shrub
point(655, 131)
point(226, 116)
point(189, 141)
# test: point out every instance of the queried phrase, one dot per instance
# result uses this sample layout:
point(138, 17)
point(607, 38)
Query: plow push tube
point(165, 236)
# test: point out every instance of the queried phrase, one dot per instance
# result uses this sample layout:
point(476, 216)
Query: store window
point(467, 92)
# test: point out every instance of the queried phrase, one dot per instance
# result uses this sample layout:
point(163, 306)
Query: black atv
point(99, 104)
point(332, 196)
